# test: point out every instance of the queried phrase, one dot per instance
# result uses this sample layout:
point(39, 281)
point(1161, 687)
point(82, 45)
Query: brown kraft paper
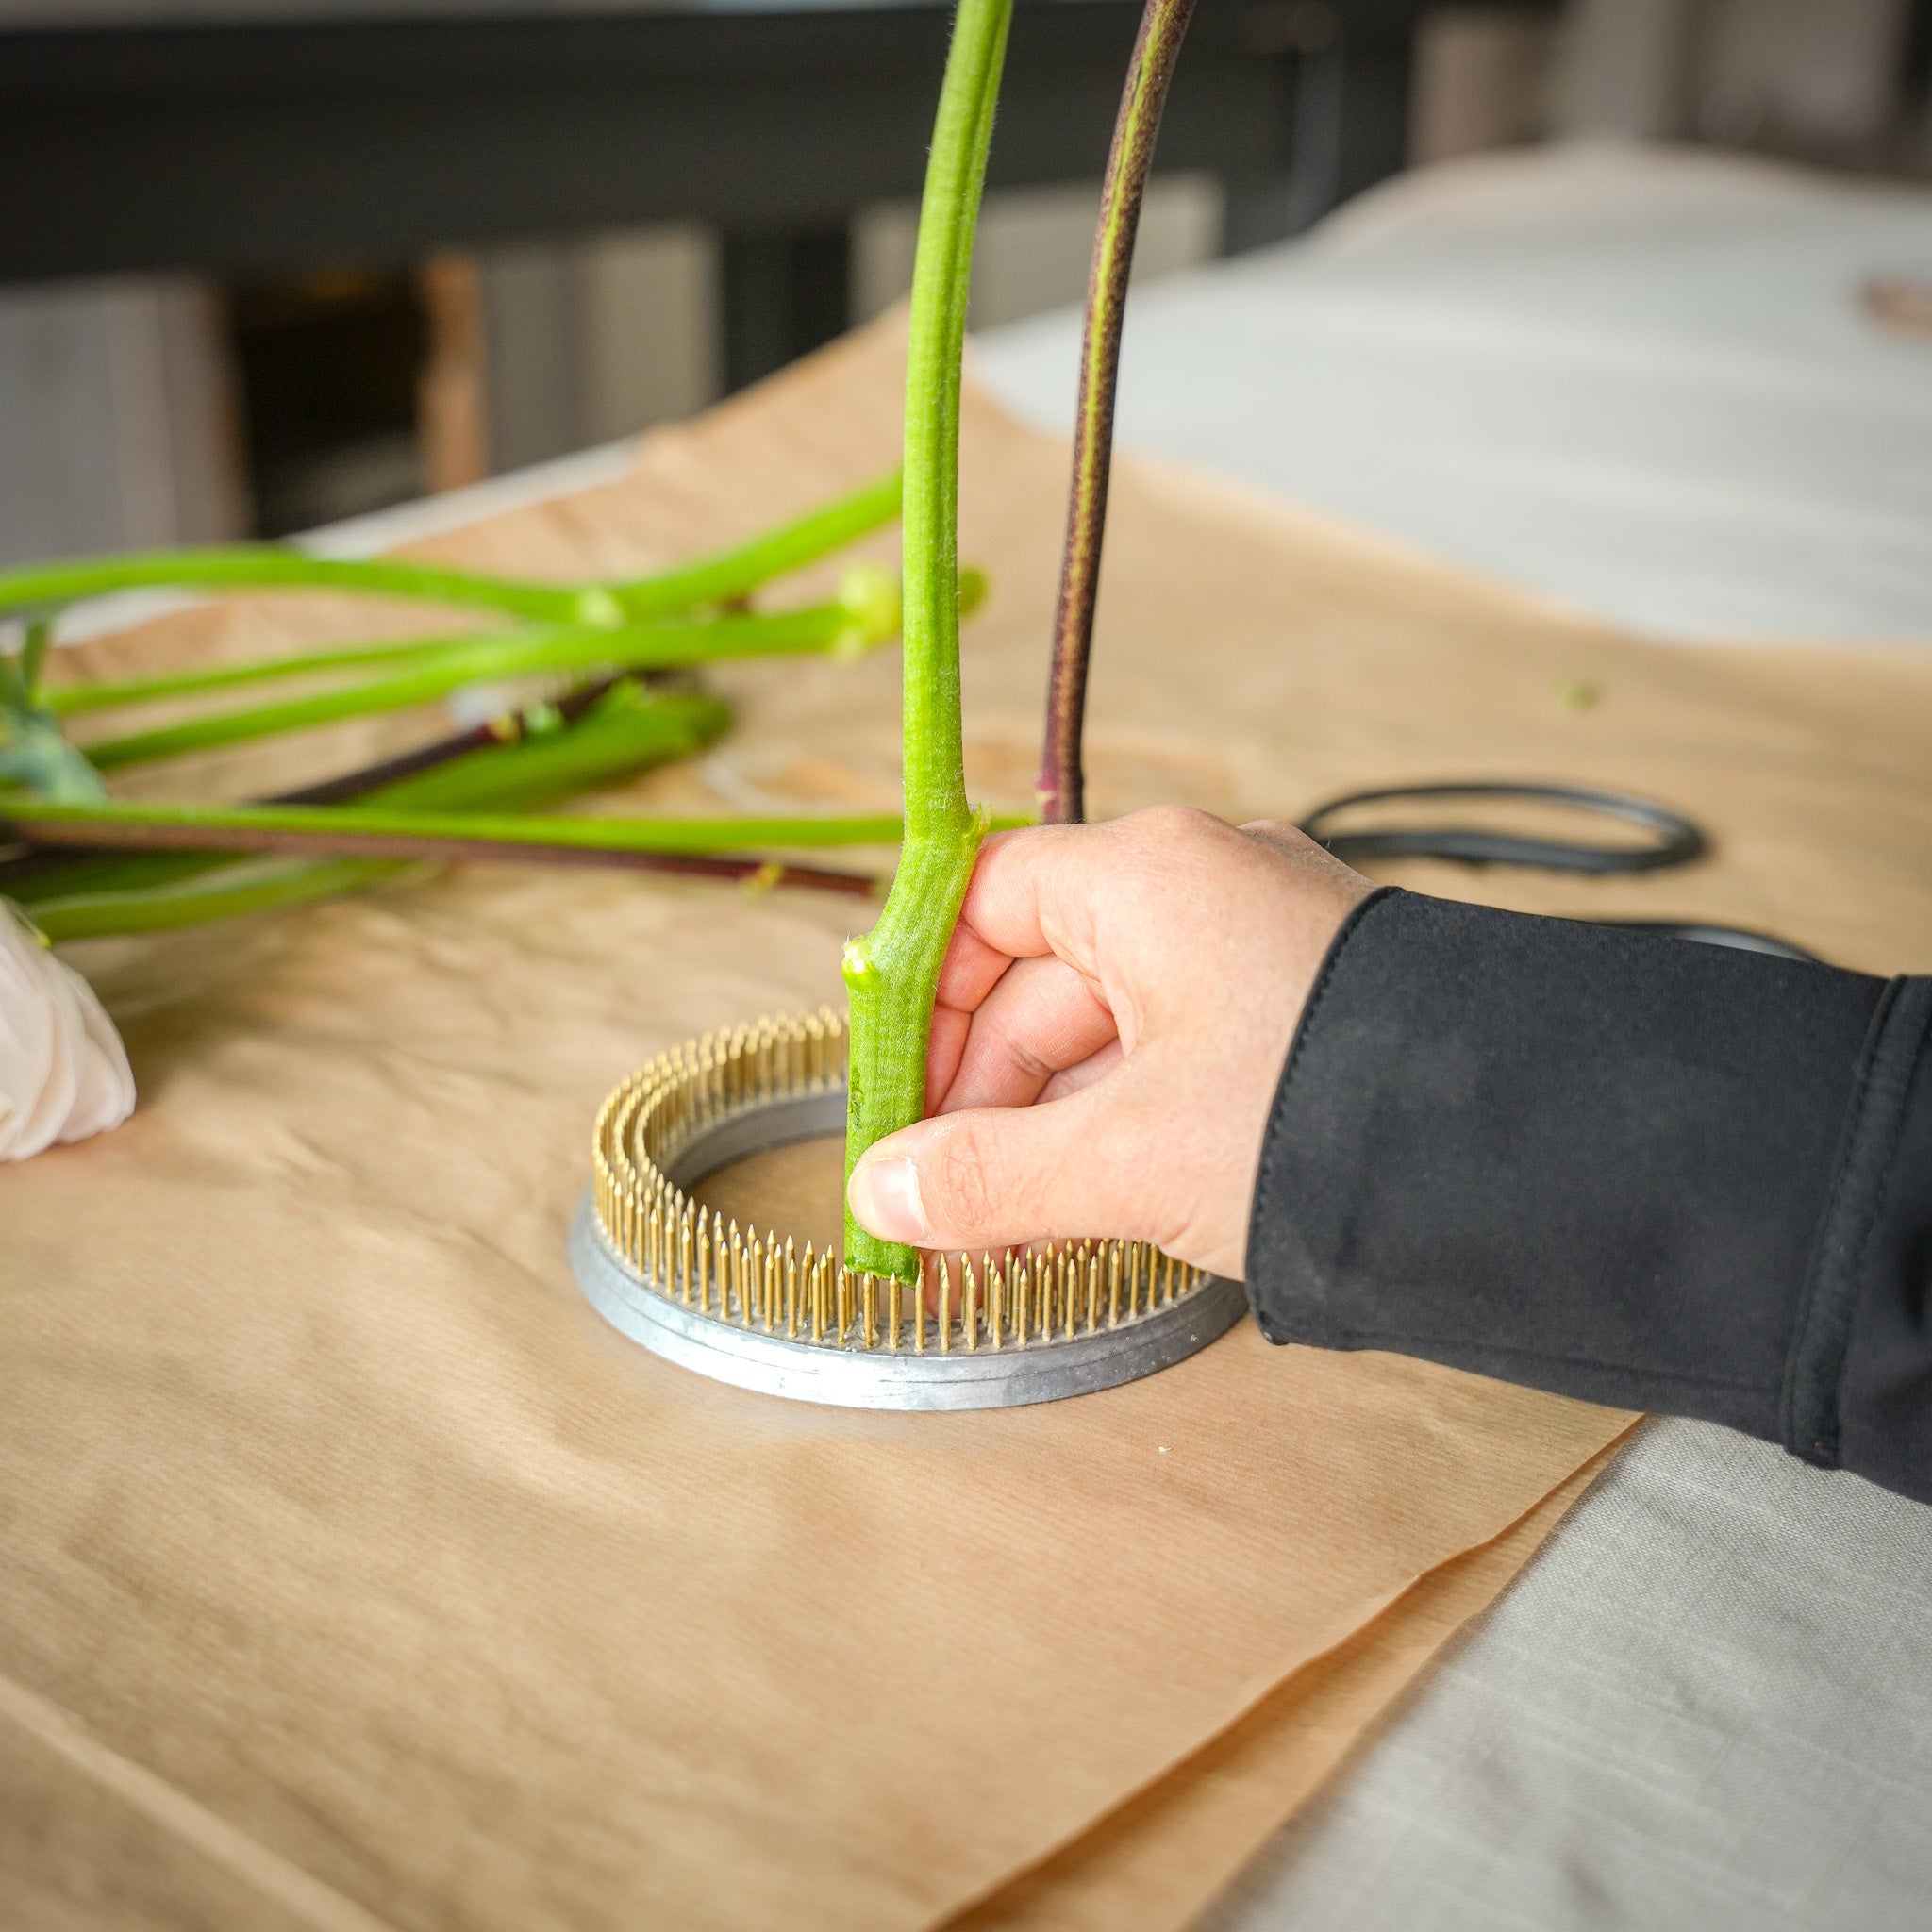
point(352, 1572)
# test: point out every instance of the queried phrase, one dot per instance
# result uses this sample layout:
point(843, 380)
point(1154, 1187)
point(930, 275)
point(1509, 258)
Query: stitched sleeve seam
point(1271, 1137)
point(1822, 1327)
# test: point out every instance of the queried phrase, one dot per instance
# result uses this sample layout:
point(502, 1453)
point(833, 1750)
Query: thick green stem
point(891, 974)
point(622, 733)
point(866, 616)
point(714, 579)
point(374, 831)
point(380, 832)
point(475, 769)
point(240, 890)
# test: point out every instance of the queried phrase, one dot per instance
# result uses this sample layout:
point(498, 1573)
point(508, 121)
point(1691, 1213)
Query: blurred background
point(267, 264)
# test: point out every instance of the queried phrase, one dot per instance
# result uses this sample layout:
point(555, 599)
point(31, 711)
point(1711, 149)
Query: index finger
point(1077, 892)
point(1000, 920)
point(1029, 892)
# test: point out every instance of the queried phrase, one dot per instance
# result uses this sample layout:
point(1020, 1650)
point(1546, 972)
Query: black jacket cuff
point(1614, 1165)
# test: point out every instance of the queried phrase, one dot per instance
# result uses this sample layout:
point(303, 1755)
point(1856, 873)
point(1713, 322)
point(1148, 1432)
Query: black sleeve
point(1653, 1174)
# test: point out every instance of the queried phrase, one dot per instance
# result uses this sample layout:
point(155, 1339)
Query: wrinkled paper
point(356, 1574)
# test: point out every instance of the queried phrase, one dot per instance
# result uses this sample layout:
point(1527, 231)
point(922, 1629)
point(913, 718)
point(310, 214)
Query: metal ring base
point(1009, 1376)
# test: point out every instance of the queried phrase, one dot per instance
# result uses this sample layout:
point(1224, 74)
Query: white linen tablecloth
point(1643, 384)
point(1640, 383)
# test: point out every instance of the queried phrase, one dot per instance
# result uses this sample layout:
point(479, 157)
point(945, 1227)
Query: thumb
point(997, 1176)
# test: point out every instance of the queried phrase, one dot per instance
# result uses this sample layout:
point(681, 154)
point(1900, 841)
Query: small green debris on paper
point(1575, 694)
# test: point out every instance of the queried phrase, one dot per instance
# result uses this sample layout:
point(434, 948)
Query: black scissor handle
point(1678, 841)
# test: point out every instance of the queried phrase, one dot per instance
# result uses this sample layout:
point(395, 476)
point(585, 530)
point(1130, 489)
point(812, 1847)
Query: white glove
point(63, 1071)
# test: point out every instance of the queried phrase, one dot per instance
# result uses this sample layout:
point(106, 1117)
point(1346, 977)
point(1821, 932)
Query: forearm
point(1625, 1168)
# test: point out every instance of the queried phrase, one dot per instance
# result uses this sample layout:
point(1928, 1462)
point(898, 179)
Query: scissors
point(1673, 840)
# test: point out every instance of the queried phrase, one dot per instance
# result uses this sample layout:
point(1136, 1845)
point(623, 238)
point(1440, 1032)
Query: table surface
point(1640, 384)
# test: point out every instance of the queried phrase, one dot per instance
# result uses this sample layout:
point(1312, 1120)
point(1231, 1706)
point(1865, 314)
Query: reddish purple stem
point(1062, 782)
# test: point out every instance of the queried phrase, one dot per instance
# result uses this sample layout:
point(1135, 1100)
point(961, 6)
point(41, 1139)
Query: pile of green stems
point(610, 633)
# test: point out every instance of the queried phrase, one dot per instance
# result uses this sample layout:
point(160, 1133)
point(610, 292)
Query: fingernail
point(885, 1197)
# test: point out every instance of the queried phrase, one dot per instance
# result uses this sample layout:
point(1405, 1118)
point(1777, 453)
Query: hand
point(1112, 1023)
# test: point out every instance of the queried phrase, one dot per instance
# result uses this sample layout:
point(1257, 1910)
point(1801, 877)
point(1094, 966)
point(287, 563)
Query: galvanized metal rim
point(1009, 1376)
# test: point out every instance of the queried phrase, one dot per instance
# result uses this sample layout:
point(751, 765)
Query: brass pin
point(1061, 1288)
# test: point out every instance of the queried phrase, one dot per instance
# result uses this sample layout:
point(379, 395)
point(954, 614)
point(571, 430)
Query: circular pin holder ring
point(751, 1309)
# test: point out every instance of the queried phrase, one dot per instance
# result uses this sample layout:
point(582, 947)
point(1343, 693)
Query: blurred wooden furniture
point(282, 137)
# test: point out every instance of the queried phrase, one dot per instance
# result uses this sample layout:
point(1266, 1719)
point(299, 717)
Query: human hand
point(1112, 1022)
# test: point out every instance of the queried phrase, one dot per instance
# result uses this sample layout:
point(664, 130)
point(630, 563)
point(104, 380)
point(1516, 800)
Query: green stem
point(33, 660)
point(864, 589)
point(732, 573)
point(623, 733)
point(71, 700)
point(273, 567)
point(842, 626)
point(375, 831)
point(245, 889)
point(893, 972)
point(235, 891)
point(605, 731)
point(717, 578)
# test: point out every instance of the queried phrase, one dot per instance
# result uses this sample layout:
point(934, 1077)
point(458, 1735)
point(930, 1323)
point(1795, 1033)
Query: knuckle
point(1177, 824)
point(1276, 831)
